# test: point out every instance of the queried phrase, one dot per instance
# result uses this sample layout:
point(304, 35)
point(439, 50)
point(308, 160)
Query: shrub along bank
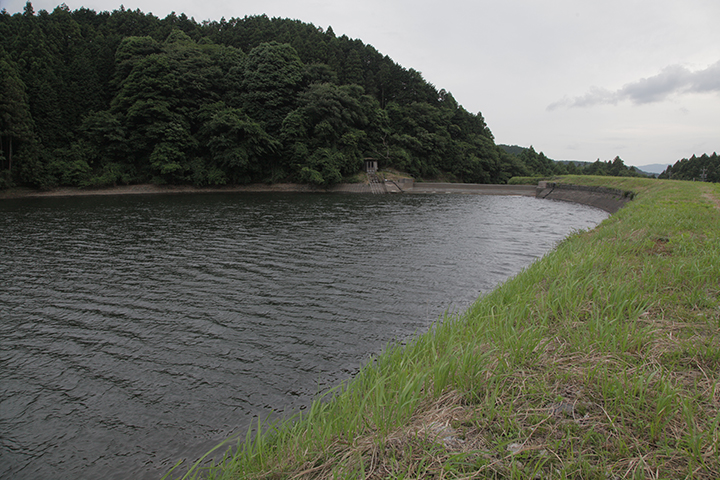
point(601, 360)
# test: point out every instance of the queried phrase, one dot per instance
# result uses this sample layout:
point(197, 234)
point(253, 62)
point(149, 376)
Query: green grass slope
point(601, 360)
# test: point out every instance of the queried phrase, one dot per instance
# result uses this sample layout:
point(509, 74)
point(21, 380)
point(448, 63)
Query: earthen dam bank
point(608, 199)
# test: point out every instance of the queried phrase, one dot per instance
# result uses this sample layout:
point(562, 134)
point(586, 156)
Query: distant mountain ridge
point(654, 167)
point(616, 167)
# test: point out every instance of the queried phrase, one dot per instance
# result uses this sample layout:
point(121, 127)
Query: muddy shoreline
point(149, 189)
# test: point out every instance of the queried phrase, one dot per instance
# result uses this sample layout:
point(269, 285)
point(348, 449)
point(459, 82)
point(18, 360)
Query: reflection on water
point(139, 330)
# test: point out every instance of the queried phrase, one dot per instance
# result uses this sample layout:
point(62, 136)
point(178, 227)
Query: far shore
point(610, 200)
point(359, 187)
point(149, 189)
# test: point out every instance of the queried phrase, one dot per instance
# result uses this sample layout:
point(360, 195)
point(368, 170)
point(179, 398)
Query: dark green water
point(135, 331)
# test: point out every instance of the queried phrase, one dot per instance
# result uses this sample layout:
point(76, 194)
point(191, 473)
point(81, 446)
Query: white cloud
point(672, 80)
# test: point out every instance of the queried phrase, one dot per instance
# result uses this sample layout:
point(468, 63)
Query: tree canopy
point(703, 168)
point(91, 99)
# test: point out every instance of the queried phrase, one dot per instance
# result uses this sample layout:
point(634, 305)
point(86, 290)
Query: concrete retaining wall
point(473, 188)
point(609, 199)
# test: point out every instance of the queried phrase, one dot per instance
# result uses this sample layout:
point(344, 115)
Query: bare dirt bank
point(147, 189)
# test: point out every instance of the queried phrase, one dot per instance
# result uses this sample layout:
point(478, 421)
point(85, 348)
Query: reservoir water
point(139, 330)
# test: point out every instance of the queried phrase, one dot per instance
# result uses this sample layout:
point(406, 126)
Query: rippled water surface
point(136, 331)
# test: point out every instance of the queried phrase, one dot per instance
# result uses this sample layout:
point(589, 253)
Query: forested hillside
point(91, 99)
point(703, 168)
point(539, 164)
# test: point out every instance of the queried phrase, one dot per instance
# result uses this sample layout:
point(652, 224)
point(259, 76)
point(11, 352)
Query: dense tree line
point(91, 99)
point(537, 164)
point(614, 168)
point(703, 168)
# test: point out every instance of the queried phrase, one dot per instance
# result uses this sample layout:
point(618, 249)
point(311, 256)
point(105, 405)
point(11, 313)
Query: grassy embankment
point(601, 360)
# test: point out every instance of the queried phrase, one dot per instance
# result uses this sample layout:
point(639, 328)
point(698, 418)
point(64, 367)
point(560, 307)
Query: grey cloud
point(674, 79)
point(654, 89)
point(707, 80)
point(595, 96)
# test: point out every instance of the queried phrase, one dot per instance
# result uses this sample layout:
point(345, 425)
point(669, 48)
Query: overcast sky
point(577, 79)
